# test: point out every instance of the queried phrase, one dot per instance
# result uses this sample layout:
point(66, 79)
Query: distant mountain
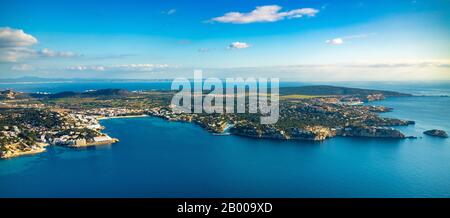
point(95, 93)
point(335, 90)
point(30, 79)
point(107, 92)
point(301, 90)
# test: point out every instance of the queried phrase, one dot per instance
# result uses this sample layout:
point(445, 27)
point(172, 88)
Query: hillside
point(89, 94)
point(335, 90)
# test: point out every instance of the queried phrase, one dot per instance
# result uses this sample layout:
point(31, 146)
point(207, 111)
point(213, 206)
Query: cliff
point(371, 131)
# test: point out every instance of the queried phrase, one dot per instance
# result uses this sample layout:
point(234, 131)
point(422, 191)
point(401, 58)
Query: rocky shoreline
point(310, 133)
point(20, 149)
point(318, 133)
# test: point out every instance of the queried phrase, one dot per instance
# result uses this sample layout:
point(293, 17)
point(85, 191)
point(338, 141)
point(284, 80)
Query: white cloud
point(15, 45)
point(121, 67)
point(238, 45)
point(86, 68)
point(336, 41)
point(359, 36)
point(268, 13)
point(351, 71)
point(170, 12)
point(139, 67)
point(15, 54)
point(15, 38)
point(50, 53)
point(340, 40)
point(22, 67)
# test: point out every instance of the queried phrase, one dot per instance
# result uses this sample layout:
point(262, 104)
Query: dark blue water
point(156, 158)
point(416, 88)
point(55, 87)
point(427, 88)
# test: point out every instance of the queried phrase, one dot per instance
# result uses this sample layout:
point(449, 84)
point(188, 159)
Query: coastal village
point(29, 123)
point(66, 129)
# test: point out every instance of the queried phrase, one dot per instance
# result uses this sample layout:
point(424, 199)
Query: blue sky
point(292, 39)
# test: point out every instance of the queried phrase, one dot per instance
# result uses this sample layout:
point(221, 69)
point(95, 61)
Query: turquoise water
point(156, 158)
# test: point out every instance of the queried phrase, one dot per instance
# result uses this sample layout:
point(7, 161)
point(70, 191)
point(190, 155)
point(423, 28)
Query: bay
point(157, 158)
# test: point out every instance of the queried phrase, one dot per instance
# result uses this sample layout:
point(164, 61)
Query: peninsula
point(31, 121)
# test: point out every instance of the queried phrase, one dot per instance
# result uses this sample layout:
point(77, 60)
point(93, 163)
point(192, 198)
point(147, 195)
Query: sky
point(294, 40)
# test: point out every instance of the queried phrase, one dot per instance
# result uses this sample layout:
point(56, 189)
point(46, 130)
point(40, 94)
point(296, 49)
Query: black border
point(168, 206)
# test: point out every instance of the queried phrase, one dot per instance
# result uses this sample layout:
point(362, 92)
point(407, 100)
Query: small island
point(31, 121)
point(436, 133)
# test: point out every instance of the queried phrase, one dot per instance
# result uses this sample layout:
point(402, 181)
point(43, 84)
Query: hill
point(113, 93)
point(335, 90)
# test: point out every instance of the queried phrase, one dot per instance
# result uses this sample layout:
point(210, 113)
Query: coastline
point(106, 142)
point(216, 126)
point(16, 153)
point(40, 147)
point(119, 117)
point(397, 160)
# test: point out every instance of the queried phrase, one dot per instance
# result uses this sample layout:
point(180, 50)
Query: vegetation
point(287, 97)
point(300, 109)
point(29, 116)
point(333, 90)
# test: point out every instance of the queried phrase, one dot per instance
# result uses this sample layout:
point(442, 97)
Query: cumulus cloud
point(238, 45)
point(15, 45)
point(336, 41)
point(15, 38)
point(267, 13)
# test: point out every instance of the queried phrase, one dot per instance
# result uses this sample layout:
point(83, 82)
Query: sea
point(157, 158)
